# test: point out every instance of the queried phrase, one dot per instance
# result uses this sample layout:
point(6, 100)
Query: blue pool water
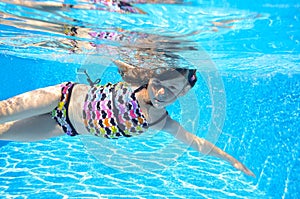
point(256, 57)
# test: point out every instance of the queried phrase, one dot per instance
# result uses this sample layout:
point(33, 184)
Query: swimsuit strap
point(92, 83)
point(140, 88)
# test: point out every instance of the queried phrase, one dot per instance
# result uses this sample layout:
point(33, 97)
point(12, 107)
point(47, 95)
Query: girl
point(109, 111)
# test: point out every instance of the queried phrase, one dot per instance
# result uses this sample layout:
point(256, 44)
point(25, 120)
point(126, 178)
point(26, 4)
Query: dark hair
point(189, 74)
point(141, 76)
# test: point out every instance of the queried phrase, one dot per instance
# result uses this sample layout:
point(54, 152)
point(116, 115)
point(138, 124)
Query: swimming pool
point(255, 48)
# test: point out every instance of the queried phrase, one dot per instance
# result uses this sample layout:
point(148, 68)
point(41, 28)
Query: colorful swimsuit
point(112, 111)
point(60, 113)
point(109, 111)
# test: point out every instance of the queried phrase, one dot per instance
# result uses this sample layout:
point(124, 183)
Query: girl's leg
point(30, 104)
point(35, 128)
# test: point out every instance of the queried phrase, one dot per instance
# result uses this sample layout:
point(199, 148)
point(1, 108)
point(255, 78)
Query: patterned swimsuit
point(112, 111)
point(60, 113)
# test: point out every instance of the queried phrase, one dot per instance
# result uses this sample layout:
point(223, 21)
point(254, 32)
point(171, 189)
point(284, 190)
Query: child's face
point(164, 92)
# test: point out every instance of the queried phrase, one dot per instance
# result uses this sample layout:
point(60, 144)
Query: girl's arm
point(30, 104)
point(202, 145)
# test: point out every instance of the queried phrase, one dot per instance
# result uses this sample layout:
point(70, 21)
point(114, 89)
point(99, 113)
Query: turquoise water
point(255, 52)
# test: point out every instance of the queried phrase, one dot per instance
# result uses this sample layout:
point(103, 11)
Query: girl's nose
point(160, 93)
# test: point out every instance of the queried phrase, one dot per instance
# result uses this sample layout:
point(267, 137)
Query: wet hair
point(189, 74)
point(141, 76)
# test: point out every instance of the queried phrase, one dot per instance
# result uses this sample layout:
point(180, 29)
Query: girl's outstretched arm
point(202, 145)
point(29, 104)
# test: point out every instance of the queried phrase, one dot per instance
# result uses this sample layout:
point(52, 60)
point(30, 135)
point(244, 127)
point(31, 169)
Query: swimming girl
point(109, 111)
